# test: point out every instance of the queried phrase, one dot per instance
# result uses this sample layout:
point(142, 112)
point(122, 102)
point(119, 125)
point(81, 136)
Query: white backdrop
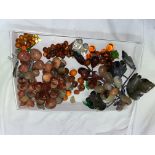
point(137, 120)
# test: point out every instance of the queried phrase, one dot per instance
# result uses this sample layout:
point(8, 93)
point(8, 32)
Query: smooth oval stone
point(48, 67)
point(39, 64)
point(114, 91)
point(107, 86)
point(56, 62)
point(50, 103)
point(62, 93)
point(59, 100)
point(24, 56)
point(109, 99)
point(46, 77)
point(61, 70)
point(30, 103)
point(99, 89)
point(24, 99)
point(54, 83)
point(72, 99)
point(120, 107)
point(117, 81)
point(35, 54)
point(54, 72)
point(23, 86)
point(68, 85)
point(74, 84)
point(126, 99)
point(29, 75)
point(40, 102)
point(108, 77)
point(54, 93)
point(102, 70)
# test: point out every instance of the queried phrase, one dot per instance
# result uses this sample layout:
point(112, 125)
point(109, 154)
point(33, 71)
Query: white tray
point(134, 49)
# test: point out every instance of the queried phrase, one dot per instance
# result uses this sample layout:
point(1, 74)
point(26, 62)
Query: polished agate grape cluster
point(101, 72)
point(57, 83)
point(55, 87)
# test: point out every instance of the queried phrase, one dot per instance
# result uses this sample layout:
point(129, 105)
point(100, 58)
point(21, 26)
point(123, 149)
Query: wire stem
point(128, 78)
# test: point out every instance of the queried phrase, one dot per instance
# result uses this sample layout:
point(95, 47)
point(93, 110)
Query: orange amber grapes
point(17, 45)
point(23, 48)
point(92, 48)
point(26, 41)
point(88, 56)
point(65, 98)
point(110, 47)
point(73, 72)
point(68, 93)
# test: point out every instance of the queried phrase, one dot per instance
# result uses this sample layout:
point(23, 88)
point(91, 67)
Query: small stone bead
point(56, 62)
point(109, 99)
point(68, 85)
point(107, 86)
point(24, 99)
point(62, 93)
point(81, 87)
point(74, 84)
point(30, 103)
point(35, 54)
point(50, 103)
point(36, 72)
point(72, 99)
point(73, 72)
point(99, 89)
point(54, 83)
point(47, 77)
point(126, 99)
point(80, 80)
point(38, 65)
point(76, 92)
point(108, 77)
point(117, 81)
point(59, 100)
point(102, 70)
point(61, 70)
point(54, 94)
point(114, 91)
point(48, 67)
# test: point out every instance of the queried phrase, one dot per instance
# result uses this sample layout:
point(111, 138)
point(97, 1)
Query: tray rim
point(59, 34)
